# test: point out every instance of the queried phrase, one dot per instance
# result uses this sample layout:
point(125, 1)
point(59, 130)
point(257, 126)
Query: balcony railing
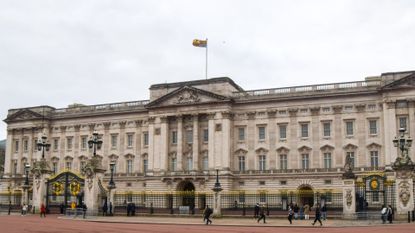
point(101, 107)
point(309, 88)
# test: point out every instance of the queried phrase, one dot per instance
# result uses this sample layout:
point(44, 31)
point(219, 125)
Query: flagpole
point(207, 44)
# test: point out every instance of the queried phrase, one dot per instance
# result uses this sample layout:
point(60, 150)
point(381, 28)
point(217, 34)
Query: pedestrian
point(110, 209)
point(261, 214)
point(296, 211)
point(128, 209)
point(42, 210)
point(256, 210)
point(390, 214)
point(10, 207)
point(301, 212)
point(206, 215)
point(61, 208)
point(306, 211)
point(324, 212)
point(133, 209)
point(84, 208)
point(384, 214)
point(104, 209)
point(318, 215)
point(290, 214)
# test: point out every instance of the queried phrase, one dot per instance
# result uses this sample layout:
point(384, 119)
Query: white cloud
point(60, 52)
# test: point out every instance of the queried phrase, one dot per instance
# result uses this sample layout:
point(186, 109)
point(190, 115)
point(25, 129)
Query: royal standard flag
point(200, 43)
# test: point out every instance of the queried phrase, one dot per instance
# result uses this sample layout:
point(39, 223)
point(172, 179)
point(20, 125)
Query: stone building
point(292, 141)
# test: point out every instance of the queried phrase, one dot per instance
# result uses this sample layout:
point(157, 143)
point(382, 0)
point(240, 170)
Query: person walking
point(261, 214)
point(306, 211)
point(10, 208)
point(324, 212)
point(206, 215)
point(84, 208)
point(384, 213)
point(296, 209)
point(42, 210)
point(318, 215)
point(290, 214)
point(256, 210)
point(390, 214)
point(104, 209)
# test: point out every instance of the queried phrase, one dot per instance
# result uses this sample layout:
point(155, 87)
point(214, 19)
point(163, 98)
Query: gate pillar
point(404, 200)
point(41, 174)
point(94, 175)
point(349, 198)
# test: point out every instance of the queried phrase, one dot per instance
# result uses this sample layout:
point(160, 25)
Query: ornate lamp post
point(403, 143)
point(95, 143)
point(217, 189)
point(111, 185)
point(42, 145)
point(26, 185)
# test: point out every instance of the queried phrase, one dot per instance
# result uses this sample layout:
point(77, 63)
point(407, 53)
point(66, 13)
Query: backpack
point(383, 210)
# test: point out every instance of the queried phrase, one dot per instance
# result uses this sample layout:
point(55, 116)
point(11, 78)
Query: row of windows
point(305, 161)
point(326, 132)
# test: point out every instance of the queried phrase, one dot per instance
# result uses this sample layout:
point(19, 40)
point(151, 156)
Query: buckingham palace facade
point(291, 142)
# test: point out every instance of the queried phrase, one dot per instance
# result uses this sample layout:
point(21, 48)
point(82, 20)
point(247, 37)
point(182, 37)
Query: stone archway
point(186, 190)
point(306, 195)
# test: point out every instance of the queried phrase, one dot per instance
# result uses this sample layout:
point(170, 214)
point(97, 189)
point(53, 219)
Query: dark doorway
point(187, 191)
point(306, 195)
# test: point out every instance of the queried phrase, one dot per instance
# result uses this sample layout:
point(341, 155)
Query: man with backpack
point(206, 215)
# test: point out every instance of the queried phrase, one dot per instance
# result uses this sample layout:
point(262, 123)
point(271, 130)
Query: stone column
point(9, 154)
point(164, 139)
point(195, 144)
point(389, 129)
point(179, 143)
point(349, 198)
point(226, 141)
point(151, 149)
point(211, 141)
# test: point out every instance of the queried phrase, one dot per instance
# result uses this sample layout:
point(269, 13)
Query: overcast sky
point(61, 52)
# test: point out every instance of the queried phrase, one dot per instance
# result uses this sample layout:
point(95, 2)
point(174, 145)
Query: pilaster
point(195, 144)
point(349, 198)
point(179, 143)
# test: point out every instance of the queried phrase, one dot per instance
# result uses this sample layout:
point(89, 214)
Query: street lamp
point(43, 144)
point(94, 142)
point(111, 184)
point(217, 188)
point(27, 169)
point(403, 143)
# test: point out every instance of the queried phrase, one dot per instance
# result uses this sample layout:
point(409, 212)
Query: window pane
point(145, 135)
point(349, 128)
point(304, 161)
point(373, 127)
point(283, 162)
point(304, 130)
point(241, 134)
point(261, 133)
point(174, 137)
point(283, 131)
point(205, 135)
point(326, 129)
point(327, 160)
point(241, 163)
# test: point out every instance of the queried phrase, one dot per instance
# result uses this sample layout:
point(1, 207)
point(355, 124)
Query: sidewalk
point(249, 222)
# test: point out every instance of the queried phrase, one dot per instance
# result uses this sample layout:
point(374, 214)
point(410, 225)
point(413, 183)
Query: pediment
point(405, 82)
point(187, 95)
point(23, 115)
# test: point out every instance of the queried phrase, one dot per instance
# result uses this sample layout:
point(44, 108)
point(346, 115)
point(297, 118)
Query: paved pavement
point(227, 221)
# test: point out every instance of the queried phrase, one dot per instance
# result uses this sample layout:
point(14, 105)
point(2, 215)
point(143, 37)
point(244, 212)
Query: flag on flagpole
point(200, 43)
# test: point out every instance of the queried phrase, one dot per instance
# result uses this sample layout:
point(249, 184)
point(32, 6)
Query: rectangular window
point(328, 196)
point(189, 163)
point(304, 130)
point(283, 131)
point(262, 162)
point(349, 128)
point(373, 128)
point(205, 135)
point(130, 140)
point(15, 168)
point(129, 166)
point(114, 141)
point(283, 162)
point(403, 123)
point(173, 164)
point(351, 156)
point(241, 163)
point(241, 134)
point(374, 159)
point(174, 137)
point(25, 145)
point(84, 143)
point(205, 163)
point(69, 143)
point(326, 129)
point(145, 165)
point(55, 144)
point(16, 146)
point(261, 133)
point(189, 136)
point(145, 138)
point(305, 163)
point(68, 165)
point(55, 167)
point(327, 160)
